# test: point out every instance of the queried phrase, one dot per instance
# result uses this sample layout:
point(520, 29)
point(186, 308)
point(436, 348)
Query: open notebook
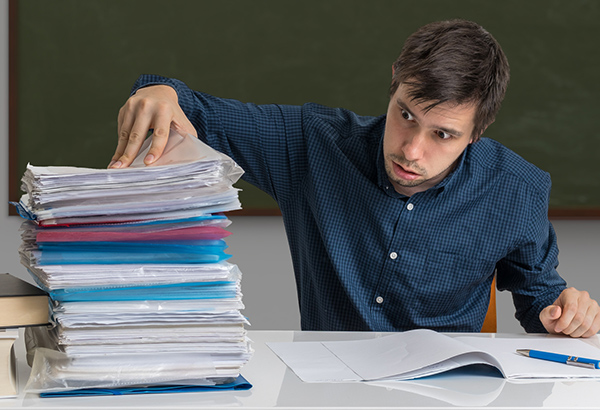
point(420, 353)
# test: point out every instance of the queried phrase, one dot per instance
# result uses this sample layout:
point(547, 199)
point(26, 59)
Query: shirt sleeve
point(529, 271)
point(265, 140)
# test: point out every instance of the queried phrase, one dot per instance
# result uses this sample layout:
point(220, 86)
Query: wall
point(268, 284)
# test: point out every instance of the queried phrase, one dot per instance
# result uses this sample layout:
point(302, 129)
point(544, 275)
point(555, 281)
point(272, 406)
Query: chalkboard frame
point(13, 99)
point(14, 185)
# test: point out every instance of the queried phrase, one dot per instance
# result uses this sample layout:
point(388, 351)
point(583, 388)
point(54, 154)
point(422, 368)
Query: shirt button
point(393, 255)
point(379, 300)
point(410, 207)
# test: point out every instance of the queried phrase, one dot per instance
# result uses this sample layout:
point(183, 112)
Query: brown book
point(21, 303)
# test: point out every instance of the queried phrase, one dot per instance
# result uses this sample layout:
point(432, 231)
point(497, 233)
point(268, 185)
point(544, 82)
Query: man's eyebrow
point(401, 104)
point(451, 131)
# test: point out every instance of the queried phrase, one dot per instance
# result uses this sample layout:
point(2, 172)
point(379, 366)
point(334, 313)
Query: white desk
point(275, 386)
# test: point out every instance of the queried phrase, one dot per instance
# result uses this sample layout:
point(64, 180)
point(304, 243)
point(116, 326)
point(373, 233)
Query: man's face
point(421, 148)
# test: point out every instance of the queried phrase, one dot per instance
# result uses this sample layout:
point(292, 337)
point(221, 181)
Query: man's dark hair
point(454, 61)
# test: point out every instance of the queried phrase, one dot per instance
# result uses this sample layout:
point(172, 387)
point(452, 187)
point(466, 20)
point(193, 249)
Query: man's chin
point(410, 184)
point(406, 183)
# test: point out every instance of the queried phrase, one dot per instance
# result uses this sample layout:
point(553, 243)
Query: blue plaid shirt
point(368, 258)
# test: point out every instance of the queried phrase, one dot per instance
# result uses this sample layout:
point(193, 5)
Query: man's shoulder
point(491, 155)
point(345, 122)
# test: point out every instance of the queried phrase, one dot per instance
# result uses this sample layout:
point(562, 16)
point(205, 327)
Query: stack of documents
point(134, 262)
point(171, 190)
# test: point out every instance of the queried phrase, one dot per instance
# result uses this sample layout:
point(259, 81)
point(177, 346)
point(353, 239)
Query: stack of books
point(134, 263)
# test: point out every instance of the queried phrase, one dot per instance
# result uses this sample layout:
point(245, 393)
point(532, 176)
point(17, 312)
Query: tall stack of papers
point(134, 262)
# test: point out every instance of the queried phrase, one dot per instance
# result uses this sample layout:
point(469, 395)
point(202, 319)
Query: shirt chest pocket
point(454, 277)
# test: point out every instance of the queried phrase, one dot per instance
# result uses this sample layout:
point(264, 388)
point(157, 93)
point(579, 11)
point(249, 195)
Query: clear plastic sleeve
point(55, 371)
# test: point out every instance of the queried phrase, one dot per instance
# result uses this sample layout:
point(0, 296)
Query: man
point(395, 222)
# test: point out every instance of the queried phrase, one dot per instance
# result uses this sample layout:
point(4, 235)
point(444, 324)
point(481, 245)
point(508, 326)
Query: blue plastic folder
point(240, 383)
point(68, 253)
point(174, 291)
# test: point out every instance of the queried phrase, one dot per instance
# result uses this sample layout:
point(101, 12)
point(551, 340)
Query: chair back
point(490, 323)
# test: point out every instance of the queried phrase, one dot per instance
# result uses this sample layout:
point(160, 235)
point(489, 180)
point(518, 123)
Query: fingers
point(578, 314)
point(584, 318)
point(135, 138)
point(571, 316)
point(154, 107)
point(594, 327)
point(549, 316)
point(552, 313)
point(183, 126)
point(159, 137)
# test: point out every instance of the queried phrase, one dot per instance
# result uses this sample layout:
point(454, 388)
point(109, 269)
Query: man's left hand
point(574, 313)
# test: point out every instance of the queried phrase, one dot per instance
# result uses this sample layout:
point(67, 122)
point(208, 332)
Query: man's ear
point(475, 139)
point(393, 71)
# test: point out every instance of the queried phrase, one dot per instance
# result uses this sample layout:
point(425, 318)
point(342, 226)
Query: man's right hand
point(155, 107)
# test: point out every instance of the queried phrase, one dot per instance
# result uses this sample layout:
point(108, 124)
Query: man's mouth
point(405, 173)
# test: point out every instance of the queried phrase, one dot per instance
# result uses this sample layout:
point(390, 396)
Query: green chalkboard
point(76, 61)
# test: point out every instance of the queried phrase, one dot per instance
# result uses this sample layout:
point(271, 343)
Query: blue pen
point(561, 358)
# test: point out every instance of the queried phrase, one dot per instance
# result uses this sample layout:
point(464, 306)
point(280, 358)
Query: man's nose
point(414, 147)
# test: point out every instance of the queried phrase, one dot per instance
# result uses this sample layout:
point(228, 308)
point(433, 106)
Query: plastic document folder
point(110, 275)
point(129, 252)
point(209, 290)
point(194, 233)
point(240, 383)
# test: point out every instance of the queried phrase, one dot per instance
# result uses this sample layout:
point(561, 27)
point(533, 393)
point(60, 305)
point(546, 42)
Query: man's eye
point(443, 135)
point(406, 115)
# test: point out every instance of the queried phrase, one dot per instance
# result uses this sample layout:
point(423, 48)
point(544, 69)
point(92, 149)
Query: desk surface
point(275, 386)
